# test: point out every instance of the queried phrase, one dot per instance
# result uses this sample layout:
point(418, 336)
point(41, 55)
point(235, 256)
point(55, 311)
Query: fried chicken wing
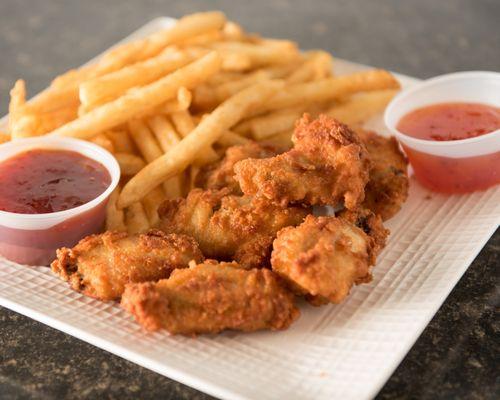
point(327, 165)
point(229, 227)
point(212, 297)
point(220, 174)
point(323, 258)
point(100, 265)
point(387, 188)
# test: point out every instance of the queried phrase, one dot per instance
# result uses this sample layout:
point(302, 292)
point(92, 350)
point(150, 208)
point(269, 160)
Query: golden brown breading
point(221, 173)
point(229, 227)
point(387, 188)
point(369, 223)
point(327, 165)
point(323, 258)
point(212, 297)
point(100, 265)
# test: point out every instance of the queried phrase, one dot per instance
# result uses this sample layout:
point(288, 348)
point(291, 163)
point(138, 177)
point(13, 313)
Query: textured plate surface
point(333, 352)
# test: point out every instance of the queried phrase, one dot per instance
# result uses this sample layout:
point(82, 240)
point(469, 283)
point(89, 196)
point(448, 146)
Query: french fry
point(328, 89)
point(193, 173)
point(17, 102)
point(226, 90)
point(233, 31)
point(271, 124)
point(205, 134)
point(137, 101)
point(108, 87)
point(204, 97)
point(259, 55)
point(53, 99)
point(150, 203)
point(317, 66)
point(361, 107)
point(224, 76)
point(103, 141)
point(230, 138)
point(165, 133)
point(167, 137)
point(181, 103)
point(235, 62)
point(121, 141)
point(115, 218)
point(282, 140)
point(4, 137)
point(150, 150)
point(203, 39)
point(130, 164)
point(136, 219)
point(144, 140)
point(28, 124)
point(185, 125)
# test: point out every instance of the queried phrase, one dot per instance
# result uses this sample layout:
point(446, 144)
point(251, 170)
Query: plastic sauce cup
point(33, 238)
point(456, 166)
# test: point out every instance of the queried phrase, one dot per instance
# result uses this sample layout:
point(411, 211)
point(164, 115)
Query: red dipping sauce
point(53, 192)
point(451, 122)
point(44, 181)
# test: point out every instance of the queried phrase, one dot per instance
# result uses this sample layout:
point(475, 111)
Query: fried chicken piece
point(229, 227)
point(221, 173)
point(212, 297)
point(323, 258)
point(387, 188)
point(327, 165)
point(100, 266)
point(371, 224)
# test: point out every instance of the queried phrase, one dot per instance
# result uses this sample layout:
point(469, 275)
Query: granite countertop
point(455, 357)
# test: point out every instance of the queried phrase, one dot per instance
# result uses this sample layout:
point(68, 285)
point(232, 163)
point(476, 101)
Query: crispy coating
point(327, 165)
point(212, 297)
point(371, 224)
point(229, 227)
point(387, 188)
point(221, 173)
point(323, 258)
point(101, 265)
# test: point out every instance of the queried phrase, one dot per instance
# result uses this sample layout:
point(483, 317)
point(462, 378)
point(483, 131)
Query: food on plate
point(324, 257)
point(387, 188)
point(228, 226)
point(328, 165)
point(226, 141)
point(101, 265)
point(43, 181)
point(212, 297)
point(220, 175)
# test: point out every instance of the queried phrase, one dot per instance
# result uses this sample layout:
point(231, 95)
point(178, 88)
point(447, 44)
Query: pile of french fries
point(174, 101)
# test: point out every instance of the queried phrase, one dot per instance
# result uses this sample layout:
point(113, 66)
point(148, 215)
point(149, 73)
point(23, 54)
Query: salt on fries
point(172, 102)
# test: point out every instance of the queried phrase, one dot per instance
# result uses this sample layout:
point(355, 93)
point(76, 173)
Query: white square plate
point(346, 351)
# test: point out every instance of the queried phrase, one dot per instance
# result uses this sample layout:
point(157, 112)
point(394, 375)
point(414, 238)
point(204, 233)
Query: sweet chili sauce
point(43, 181)
point(449, 122)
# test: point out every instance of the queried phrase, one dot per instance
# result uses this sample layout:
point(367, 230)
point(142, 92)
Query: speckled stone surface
point(456, 356)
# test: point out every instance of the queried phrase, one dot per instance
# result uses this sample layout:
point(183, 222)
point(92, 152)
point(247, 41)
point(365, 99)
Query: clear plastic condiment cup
point(455, 166)
point(32, 239)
